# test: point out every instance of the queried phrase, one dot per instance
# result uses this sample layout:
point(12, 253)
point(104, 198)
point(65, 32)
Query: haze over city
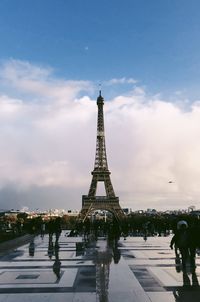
point(53, 56)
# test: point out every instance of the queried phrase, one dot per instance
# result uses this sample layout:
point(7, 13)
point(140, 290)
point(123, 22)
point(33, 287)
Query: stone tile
point(84, 297)
point(165, 277)
point(27, 277)
point(31, 298)
point(162, 297)
point(68, 277)
point(4, 297)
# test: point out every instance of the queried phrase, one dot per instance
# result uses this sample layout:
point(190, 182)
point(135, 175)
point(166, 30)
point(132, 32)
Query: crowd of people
point(185, 241)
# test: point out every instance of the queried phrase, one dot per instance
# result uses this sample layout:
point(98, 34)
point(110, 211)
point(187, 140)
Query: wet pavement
point(133, 270)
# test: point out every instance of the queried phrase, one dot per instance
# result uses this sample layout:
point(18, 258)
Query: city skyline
point(54, 55)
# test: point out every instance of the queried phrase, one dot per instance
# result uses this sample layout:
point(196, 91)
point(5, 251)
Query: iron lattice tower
point(101, 173)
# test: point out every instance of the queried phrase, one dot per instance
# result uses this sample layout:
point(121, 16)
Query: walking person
point(57, 230)
point(181, 241)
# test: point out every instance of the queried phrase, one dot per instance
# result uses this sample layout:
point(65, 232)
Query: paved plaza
point(135, 270)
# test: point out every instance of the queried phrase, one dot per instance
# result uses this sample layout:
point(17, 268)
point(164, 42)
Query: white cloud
point(40, 82)
point(51, 143)
point(123, 80)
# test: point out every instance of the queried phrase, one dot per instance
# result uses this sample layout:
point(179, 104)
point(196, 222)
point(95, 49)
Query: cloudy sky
point(53, 55)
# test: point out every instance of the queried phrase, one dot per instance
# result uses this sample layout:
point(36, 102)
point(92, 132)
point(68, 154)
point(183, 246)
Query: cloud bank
point(48, 137)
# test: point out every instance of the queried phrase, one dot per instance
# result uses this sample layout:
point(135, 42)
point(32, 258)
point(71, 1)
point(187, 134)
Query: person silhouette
point(185, 240)
point(181, 242)
point(116, 253)
point(57, 230)
point(32, 248)
point(50, 247)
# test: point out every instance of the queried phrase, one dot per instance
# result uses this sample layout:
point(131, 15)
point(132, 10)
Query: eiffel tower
point(110, 202)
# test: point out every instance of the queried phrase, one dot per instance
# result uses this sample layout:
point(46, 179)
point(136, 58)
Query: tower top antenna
point(99, 89)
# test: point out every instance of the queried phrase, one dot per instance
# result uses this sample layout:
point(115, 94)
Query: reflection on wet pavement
point(106, 271)
point(103, 257)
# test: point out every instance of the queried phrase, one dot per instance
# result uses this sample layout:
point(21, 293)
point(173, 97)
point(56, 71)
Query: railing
point(104, 199)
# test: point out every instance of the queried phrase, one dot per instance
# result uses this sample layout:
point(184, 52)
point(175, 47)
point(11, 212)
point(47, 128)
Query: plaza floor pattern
point(135, 270)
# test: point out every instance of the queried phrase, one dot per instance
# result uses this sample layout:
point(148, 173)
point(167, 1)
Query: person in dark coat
point(181, 241)
point(57, 230)
point(184, 240)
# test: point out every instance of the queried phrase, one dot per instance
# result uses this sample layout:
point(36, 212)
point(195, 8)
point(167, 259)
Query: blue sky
point(156, 42)
point(53, 55)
